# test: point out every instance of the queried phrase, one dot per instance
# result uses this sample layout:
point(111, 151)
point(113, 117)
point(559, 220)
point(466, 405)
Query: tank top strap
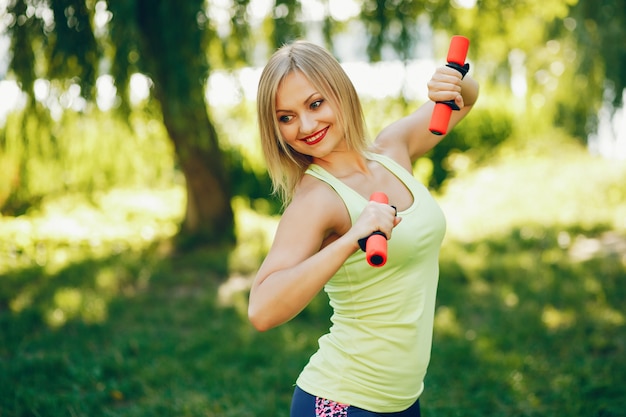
point(353, 201)
point(395, 168)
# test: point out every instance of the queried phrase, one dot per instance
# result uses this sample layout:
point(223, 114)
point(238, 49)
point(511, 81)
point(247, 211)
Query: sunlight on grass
point(538, 186)
point(557, 319)
point(68, 228)
point(71, 303)
point(255, 232)
point(446, 322)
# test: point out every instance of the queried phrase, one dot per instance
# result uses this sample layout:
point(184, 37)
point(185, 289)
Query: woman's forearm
point(284, 293)
point(469, 90)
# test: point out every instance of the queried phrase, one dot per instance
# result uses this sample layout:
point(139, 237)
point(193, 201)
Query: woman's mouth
point(316, 137)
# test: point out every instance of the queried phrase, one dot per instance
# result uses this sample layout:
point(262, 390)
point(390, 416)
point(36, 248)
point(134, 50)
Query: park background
point(135, 204)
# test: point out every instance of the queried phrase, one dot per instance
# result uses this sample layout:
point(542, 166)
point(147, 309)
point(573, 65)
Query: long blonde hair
point(286, 166)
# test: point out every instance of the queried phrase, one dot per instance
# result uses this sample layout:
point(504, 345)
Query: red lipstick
point(315, 137)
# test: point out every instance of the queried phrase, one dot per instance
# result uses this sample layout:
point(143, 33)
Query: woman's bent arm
point(280, 295)
point(409, 138)
point(296, 269)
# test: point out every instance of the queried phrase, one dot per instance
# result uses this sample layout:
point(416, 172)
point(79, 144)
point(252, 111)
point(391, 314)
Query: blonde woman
point(373, 360)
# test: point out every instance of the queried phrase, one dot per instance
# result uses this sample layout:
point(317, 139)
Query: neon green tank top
point(378, 348)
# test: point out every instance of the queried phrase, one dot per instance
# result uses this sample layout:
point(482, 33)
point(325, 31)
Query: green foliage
point(79, 154)
point(572, 53)
point(238, 46)
point(73, 50)
point(65, 50)
point(164, 40)
point(389, 23)
point(599, 28)
point(242, 149)
point(25, 42)
point(473, 141)
point(286, 22)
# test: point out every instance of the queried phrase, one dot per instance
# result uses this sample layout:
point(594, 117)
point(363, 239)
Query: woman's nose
point(307, 123)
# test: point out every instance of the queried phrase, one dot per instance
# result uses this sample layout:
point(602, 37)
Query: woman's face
point(305, 118)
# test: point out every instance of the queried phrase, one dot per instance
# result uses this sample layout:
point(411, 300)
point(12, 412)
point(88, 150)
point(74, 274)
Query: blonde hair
point(285, 165)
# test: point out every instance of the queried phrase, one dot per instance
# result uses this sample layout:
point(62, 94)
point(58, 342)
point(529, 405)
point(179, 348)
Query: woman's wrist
point(469, 90)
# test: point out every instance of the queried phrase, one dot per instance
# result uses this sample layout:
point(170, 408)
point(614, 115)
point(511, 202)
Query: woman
point(374, 358)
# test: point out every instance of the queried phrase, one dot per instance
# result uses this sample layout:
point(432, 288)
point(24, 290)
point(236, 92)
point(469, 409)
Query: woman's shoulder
point(313, 191)
point(317, 202)
point(394, 151)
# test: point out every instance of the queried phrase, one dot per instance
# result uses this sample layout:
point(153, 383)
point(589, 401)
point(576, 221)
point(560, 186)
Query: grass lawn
point(97, 320)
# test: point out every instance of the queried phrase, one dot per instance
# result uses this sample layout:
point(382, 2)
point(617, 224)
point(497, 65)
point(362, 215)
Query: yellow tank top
point(377, 350)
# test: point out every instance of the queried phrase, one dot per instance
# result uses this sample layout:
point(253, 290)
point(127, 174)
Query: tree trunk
point(176, 61)
point(209, 216)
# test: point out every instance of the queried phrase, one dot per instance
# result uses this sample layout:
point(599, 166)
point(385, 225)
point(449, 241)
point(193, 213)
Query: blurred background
point(135, 205)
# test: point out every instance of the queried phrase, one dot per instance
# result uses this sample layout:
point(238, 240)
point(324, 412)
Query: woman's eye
point(316, 104)
point(284, 119)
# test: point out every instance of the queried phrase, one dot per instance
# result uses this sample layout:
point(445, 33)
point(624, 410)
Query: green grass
point(530, 321)
point(524, 328)
point(164, 345)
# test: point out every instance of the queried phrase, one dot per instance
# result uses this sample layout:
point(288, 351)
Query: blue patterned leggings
point(304, 404)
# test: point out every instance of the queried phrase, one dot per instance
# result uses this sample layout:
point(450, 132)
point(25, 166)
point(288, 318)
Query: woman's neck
point(343, 163)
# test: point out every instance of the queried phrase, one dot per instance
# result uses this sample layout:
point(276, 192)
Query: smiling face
point(306, 119)
point(338, 108)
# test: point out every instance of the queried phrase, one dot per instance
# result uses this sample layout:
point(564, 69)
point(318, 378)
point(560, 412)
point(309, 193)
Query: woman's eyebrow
point(304, 102)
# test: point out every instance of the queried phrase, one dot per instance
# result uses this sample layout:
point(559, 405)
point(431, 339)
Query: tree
point(165, 40)
point(598, 30)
